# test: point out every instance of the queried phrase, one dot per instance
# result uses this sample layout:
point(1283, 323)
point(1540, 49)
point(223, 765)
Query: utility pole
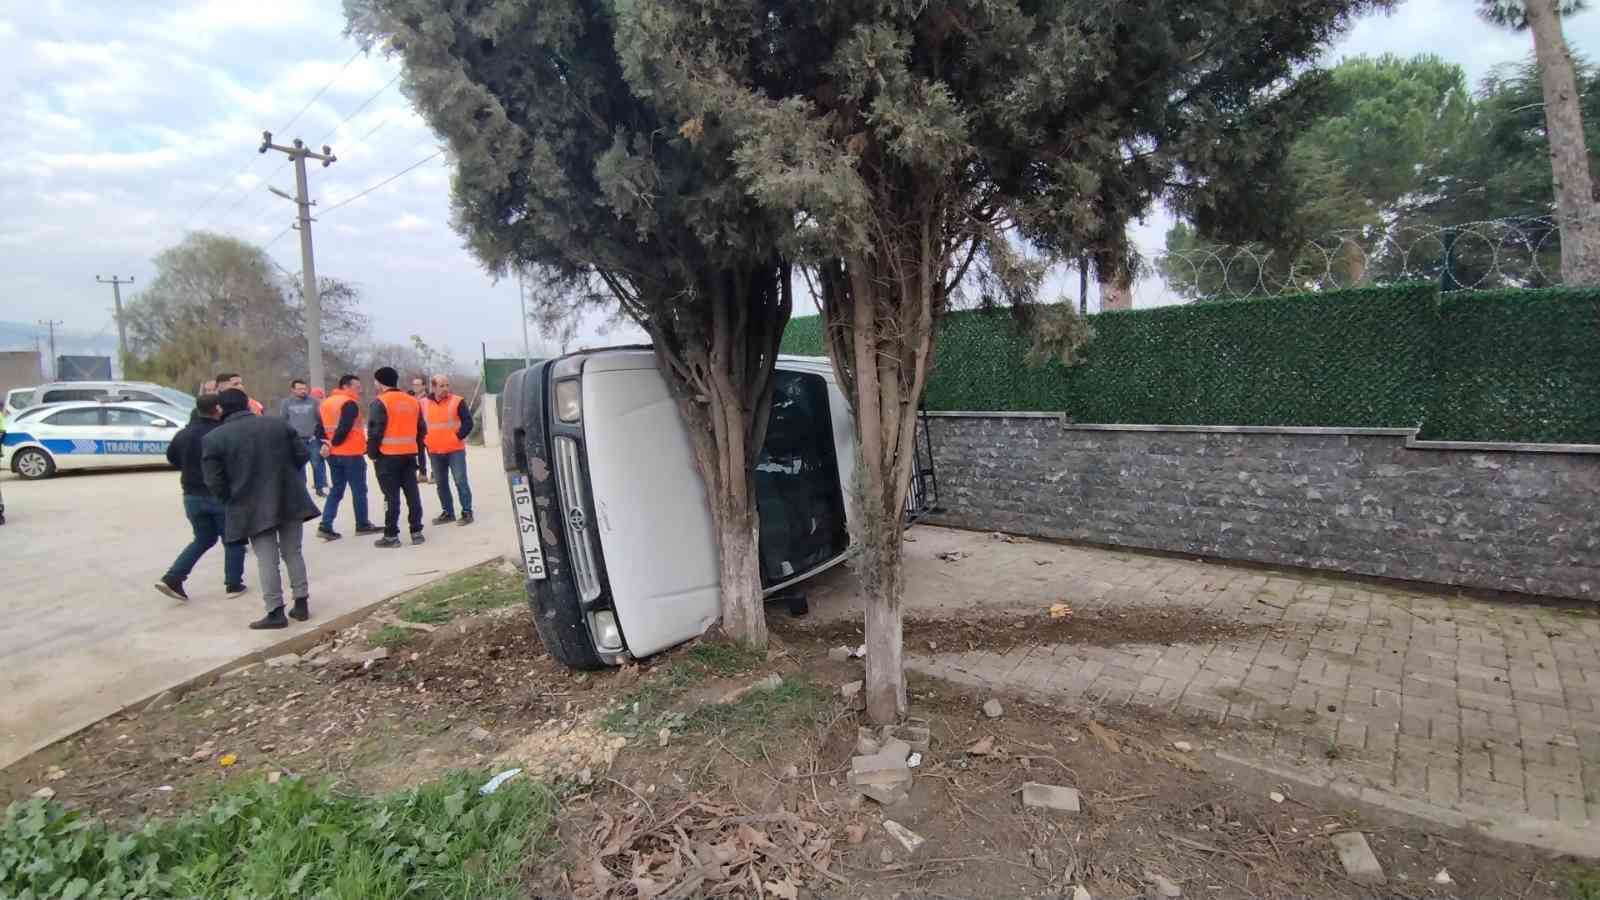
point(308, 269)
point(55, 375)
point(122, 327)
point(522, 295)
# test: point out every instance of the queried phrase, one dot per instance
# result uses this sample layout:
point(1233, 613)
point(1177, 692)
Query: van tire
point(563, 632)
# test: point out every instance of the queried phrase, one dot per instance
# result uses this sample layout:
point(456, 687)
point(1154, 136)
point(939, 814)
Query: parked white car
point(88, 435)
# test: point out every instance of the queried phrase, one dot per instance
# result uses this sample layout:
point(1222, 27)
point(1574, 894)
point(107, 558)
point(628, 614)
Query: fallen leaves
point(700, 848)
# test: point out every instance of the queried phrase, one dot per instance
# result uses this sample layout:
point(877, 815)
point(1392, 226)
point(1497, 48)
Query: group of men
point(244, 475)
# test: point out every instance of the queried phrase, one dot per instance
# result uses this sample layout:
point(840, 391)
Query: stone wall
point(1364, 501)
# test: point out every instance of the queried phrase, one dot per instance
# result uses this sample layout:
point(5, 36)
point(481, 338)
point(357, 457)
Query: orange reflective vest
point(355, 443)
point(444, 424)
point(400, 432)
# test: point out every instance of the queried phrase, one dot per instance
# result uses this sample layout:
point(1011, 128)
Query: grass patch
point(478, 589)
point(391, 636)
point(292, 839)
point(1584, 884)
point(794, 703)
point(639, 711)
point(725, 657)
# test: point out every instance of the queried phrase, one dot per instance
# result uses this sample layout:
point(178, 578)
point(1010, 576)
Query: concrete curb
point(294, 643)
point(1544, 834)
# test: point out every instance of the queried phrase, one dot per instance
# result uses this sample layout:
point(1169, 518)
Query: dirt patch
point(1003, 632)
point(462, 695)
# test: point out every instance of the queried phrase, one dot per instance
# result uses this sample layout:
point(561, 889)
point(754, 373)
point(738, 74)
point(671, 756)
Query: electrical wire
point(346, 202)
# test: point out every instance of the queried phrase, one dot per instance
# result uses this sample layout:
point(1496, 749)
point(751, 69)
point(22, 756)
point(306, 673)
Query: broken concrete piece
point(45, 793)
point(867, 743)
point(663, 737)
point(1050, 796)
point(914, 732)
point(1359, 862)
point(850, 688)
point(1443, 877)
point(993, 709)
point(839, 654)
point(1165, 887)
point(898, 749)
point(881, 777)
point(908, 839)
point(283, 662)
point(1079, 892)
point(1276, 797)
point(1183, 746)
point(480, 734)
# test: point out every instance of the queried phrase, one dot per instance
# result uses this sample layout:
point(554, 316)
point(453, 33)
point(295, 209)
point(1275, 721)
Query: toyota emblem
point(576, 520)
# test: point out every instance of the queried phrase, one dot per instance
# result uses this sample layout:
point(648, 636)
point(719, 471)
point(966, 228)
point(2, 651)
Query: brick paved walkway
point(1473, 709)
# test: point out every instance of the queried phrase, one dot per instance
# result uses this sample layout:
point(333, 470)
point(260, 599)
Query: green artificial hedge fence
point(1501, 366)
point(1519, 365)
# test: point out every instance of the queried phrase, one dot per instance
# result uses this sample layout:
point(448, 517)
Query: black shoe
point(302, 609)
point(417, 538)
point(466, 518)
point(235, 590)
point(442, 518)
point(272, 619)
point(368, 529)
point(329, 534)
point(387, 543)
point(321, 492)
point(172, 587)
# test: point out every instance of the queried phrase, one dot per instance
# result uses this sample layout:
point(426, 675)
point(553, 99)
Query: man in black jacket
point(204, 510)
point(254, 465)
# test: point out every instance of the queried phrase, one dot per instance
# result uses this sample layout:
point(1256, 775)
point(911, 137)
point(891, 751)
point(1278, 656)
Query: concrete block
point(1357, 858)
point(1051, 797)
point(993, 709)
point(908, 839)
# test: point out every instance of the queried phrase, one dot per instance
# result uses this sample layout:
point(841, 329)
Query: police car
point(88, 435)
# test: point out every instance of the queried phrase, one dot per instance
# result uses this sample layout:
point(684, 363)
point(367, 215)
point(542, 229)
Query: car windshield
point(175, 397)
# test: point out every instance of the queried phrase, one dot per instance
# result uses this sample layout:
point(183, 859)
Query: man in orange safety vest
point(396, 439)
point(449, 421)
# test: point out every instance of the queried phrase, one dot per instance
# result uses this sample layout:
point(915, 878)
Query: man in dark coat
point(203, 510)
point(254, 465)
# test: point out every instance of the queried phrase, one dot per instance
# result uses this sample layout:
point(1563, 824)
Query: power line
point(251, 161)
point(350, 200)
point(324, 139)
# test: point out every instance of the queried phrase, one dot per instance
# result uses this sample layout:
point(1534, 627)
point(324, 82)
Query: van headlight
point(606, 632)
point(569, 407)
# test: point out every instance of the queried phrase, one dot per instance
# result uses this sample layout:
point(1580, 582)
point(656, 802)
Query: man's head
point(417, 385)
point(226, 380)
point(233, 400)
point(299, 388)
point(386, 377)
point(207, 406)
point(350, 384)
point(441, 387)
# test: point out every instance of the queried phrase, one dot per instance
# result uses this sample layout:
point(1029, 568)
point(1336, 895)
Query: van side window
point(63, 395)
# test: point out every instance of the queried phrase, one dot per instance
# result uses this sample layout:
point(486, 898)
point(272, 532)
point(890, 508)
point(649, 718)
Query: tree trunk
point(718, 365)
point(1083, 284)
point(882, 589)
point(1569, 154)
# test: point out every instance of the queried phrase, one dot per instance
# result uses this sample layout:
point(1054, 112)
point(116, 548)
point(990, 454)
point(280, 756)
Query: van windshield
point(797, 481)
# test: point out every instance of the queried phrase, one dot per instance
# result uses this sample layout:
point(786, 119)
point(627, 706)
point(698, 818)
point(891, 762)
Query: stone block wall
point(1364, 501)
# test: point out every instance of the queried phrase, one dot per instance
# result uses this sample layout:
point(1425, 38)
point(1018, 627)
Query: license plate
point(527, 527)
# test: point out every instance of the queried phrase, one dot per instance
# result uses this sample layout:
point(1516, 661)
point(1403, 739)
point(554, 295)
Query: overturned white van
point(618, 549)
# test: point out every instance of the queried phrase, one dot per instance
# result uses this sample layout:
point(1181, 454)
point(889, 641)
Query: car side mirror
point(163, 423)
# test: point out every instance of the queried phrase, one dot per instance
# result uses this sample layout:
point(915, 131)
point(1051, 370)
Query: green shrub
point(292, 839)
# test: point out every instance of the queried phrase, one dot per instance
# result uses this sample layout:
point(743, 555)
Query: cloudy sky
point(133, 122)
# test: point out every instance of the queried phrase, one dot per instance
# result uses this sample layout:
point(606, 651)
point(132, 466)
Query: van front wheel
point(563, 631)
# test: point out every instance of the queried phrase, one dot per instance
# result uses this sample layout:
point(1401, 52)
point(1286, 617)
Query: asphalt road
point(86, 634)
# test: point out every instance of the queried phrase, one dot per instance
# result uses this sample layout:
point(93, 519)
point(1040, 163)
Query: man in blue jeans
point(343, 443)
point(449, 421)
point(204, 510)
point(302, 411)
